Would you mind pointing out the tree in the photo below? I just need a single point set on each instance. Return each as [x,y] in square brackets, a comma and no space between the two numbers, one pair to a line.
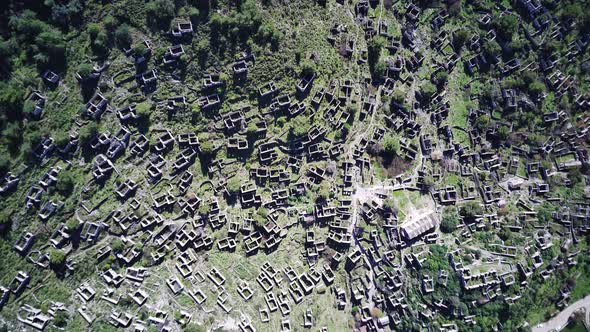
[65,183]
[374,52]
[391,145]
[459,39]
[11,101]
[571,11]
[492,49]
[268,33]
[427,90]
[123,36]
[252,128]
[536,88]
[192,327]
[233,185]
[308,67]
[503,132]
[506,26]
[84,70]
[100,45]
[61,139]
[399,96]
[140,50]
[5,220]
[117,245]
[110,23]
[143,111]
[204,209]
[194,13]
[482,122]
[449,222]
[4,165]
[72,224]
[427,182]
[471,210]
[376,312]
[52,46]
[87,133]
[206,147]
[60,319]
[375,149]
[441,77]
[160,13]
[57,257]
[505,234]
[389,205]
[93,30]
[324,191]
[12,134]
[380,68]
[299,126]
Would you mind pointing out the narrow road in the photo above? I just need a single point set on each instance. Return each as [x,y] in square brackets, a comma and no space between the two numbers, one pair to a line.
[560,321]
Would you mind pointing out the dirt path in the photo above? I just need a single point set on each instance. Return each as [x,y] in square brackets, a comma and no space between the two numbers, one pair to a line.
[560,321]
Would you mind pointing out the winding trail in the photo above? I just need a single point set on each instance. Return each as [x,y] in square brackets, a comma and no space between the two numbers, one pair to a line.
[560,321]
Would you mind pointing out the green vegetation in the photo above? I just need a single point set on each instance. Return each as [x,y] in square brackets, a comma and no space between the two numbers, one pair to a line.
[57,257]
[469,109]
[449,221]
